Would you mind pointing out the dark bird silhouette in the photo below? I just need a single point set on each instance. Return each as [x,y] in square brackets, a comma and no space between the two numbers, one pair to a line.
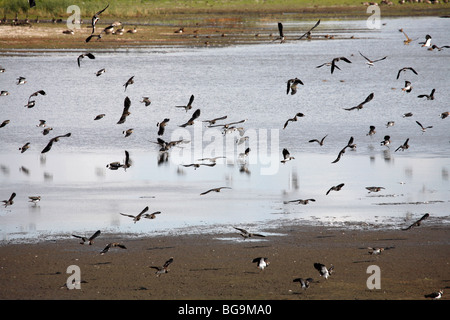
[10,201]
[25,147]
[112,245]
[34,94]
[428,96]
[422,127]
[34,199]
[303,282]
[116,164]
[307,34]
[361,105]
[100,72]
[261,262]
[213,121]
[374,189]
[444,114]
[189,105]
[281,33]
[99,116]
[407,88]
[295,118]
[404,70]
[369,61]
[286,156]
[197,165]
[32,3]
[214,190]
[96,17]
[427,42]
[21,80]
[371,131]
[125,112]
[129,82]
[137,217]
[418,222]
[190,122]
[92,36]
[52,140]
[81,57]
[386,141]
[128,132]
[433,47]
[335,188]
[245,234]
[333,62]
[341,153]
[404,146]
[162,269]
[292,85]
[435,295]
[4,123]
[162,126]
[89,240]
[146,101]
[324,271]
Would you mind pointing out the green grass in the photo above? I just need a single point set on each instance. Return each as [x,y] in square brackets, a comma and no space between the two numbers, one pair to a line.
[149,8]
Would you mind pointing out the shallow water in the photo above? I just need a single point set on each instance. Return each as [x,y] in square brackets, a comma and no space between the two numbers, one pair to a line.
[79,194]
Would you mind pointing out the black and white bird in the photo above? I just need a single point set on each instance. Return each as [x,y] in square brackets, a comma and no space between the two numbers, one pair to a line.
[404,70]
[213,121]
[162,126]
[197,165]
[34,199]
[281,33]
[422,127]
[307,34]
[96,17]
[407,88]
[404,146]
[89,240]
[189,104]
[386,141]
[128,132]
[320,142]
[435,295]
[82,56]
[361,105]
[350,144]
[292,85]
[100,72]
[427,42]
[164,268]
[49,145]
[294,119]
[246,234]
[138,217]
[300,201]
[25,147]
[190,122]
[214,190]
[21,80]
[146,101]
[261,262]
[428,96]
[10,201]
[418,222]
[126,110]
[304,283]
[333,62]
[116,164]
[374,189]
[323,270]
[112,245]
[372,131]
[130,81]
[335,188]
[433,47]
[286,156]
[369,61]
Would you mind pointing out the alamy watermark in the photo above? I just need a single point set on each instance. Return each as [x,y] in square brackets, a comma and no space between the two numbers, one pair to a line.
[374,21]
[374,280]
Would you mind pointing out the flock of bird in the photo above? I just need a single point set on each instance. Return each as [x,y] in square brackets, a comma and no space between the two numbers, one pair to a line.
[291,88]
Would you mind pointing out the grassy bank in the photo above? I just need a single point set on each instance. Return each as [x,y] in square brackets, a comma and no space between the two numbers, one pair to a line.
[47,9]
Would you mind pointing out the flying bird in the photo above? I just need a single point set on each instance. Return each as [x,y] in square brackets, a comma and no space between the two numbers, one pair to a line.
[189,105]
[34,199]
[295,118]
[286,156]
[404,146]
[444,115]
[112,245]
[10,201]
[245,234]
[407,88]
[436,47]
[320,142]
[34,94]
[129,82]
[333,62]
[371,131]
[300,201]
[261,262]
[374,189]
[146,101]
[335,188]
[96,17]
[307,34]
[4,123]
[25,147]
[162,126]
[164,268]
[323,270]
[81,57]
[125,112]
[350,144]
[422,127]
[89,240]
[52,140]
[99,116]
[408,39]
[369,61]
[213,121]
[404,70]
[137,217]
[21,80]
[361,105]
[128,132]
[386,141]
[303,282]
[281,34]
[429,97]
[418,222]
[100,72]
[292,85]
[214,190]
[190,122]
[427,42]
[116,164]
[197,165]
[377,250]
[435,295]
